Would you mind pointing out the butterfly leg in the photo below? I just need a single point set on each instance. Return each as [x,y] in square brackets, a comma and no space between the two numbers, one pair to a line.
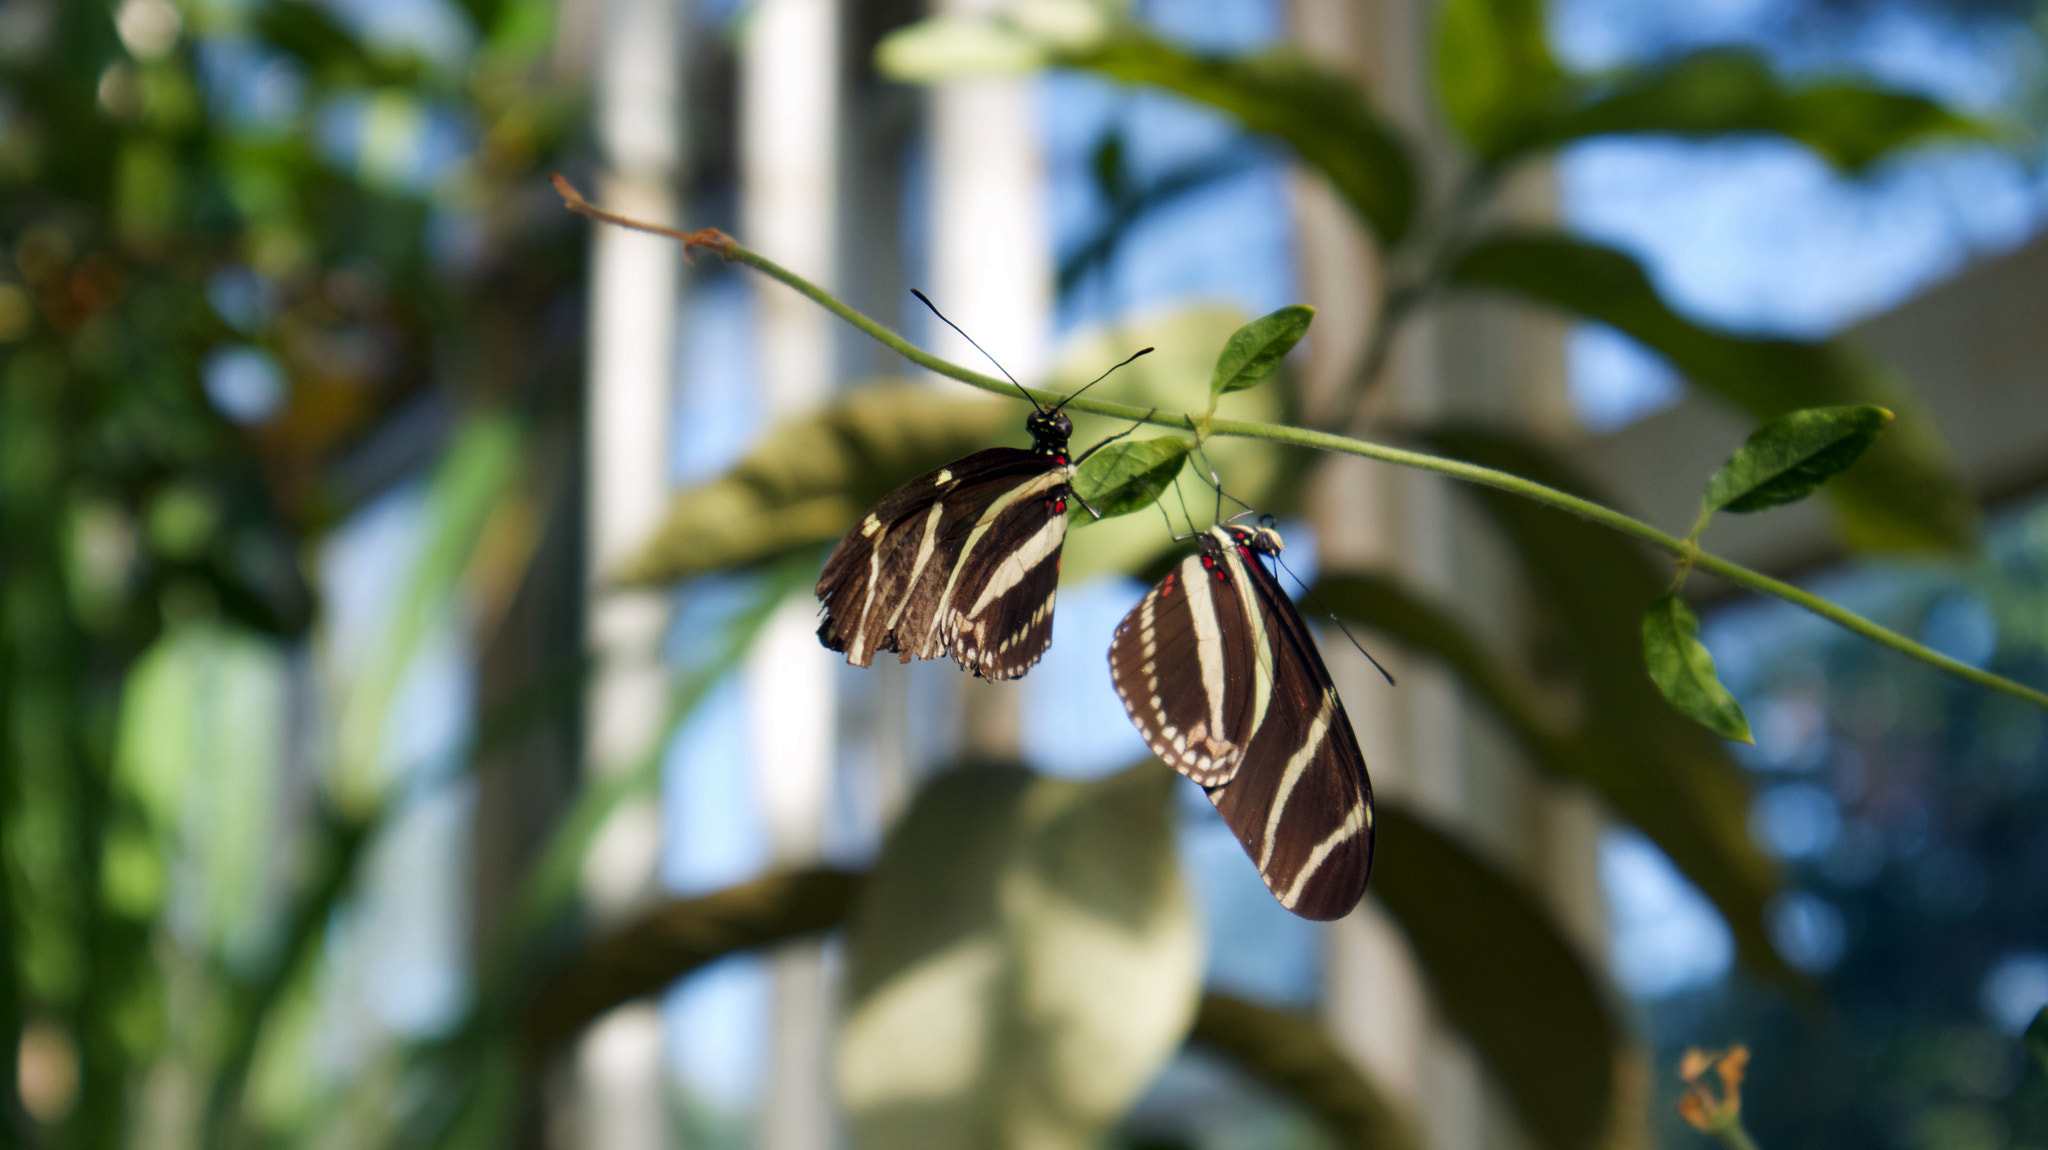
[1113,439]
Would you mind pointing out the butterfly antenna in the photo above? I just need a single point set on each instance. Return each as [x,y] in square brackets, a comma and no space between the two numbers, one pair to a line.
[1097,379]
[926,301]
[1321,606]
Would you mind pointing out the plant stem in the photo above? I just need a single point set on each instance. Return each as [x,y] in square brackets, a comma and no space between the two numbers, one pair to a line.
[1206,426]
[1735,1136]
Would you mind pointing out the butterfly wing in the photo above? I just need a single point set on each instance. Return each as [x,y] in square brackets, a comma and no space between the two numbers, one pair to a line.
[1183,663]
[963,561]
[1300,802]
[1223,679]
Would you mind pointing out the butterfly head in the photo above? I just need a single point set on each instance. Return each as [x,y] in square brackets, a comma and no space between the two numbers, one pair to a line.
[1050,431]
[1266,539]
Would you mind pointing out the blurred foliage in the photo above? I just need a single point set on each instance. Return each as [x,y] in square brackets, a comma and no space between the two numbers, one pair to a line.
[268,272]
[1020,964]
[1912,815]
[234,334]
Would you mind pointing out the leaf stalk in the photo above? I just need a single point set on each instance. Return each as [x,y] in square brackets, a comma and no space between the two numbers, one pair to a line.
[1207,426]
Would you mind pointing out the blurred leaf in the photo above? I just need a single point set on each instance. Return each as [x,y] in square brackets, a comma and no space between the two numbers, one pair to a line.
[813,474]
[2036,1039]
[1296,1057]
[1386,606]
[1683,669]
[478,469]
[1020,964]
[1255,350]
[1903,494]
[1130,476]
[330,52]
[201,729]
[678,937]
[1657,769]
[1129,204]
[1724,90]
[1505,976]
[1112,171]
[947,47]
[548,891]
[1788,458]
[1500,85]
[1325,117]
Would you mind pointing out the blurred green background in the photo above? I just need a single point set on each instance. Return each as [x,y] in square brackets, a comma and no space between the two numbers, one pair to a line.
[314,829]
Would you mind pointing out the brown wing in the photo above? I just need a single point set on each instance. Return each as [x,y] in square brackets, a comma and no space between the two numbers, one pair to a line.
[1176,660]
[1300,802]
[961,561]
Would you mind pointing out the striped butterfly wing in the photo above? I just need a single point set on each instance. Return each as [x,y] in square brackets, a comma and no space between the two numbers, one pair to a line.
[1218,638]
[1173,659]
[963,561]
[1301,802]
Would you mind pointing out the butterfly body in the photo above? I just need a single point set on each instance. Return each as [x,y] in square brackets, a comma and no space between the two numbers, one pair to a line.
[1219,673]
[962,561]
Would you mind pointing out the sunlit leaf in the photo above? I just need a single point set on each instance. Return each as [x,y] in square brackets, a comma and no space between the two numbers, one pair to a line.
[945,47]
[814,473]
[1505,976]
[1726,90]
[1325,117]
[1131,475]
[1683,669]
[1500,85]
[201,730]
[1020,964]
[1904,493]
[1295,1056]
[1788,458]
[1255,350]
[1657,769]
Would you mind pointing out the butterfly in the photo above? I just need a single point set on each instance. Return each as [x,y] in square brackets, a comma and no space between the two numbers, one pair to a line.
[1222,678]
[964,560]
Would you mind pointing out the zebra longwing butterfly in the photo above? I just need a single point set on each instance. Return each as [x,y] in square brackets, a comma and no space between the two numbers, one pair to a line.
[1221,676]
[962,561]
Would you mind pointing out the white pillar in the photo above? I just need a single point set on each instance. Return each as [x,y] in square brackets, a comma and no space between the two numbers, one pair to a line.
[633,302]
[789,108]
[992,273]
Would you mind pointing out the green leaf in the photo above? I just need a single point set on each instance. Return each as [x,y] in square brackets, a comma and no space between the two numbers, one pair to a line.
[1325,117]
[1903,494]
[1788,458]
[1683,669]
[946,47]
[1020,963]
[1129,476]
[812,475]
[2036,1039]
[1726,90]
[1499,83]
[1297,1058]
[1663,773]
[1505,976]
[1256,349]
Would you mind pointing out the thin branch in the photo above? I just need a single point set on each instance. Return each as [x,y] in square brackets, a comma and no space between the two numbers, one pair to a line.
[1207,426]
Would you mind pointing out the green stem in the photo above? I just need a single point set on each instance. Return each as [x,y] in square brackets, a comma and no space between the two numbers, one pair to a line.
[1207,427]
[1734,1136]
